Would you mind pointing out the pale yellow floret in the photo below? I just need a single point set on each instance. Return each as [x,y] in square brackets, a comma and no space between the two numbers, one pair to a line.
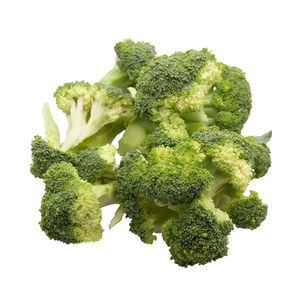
[193,97]
[176,129]
[86,216]
[227,160]
[108,153]
[72,94]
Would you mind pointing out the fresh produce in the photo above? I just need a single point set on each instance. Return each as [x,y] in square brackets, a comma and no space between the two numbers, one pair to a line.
[185,166]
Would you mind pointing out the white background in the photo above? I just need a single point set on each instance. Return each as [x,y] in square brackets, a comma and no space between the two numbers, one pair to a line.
[47,43]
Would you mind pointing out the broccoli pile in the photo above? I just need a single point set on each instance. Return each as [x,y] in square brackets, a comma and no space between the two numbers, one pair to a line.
[185,167]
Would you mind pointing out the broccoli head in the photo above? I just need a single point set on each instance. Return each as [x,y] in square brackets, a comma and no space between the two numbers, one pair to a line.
[94,163]
[228,158]
[153,189]
[261,153]
[44,155]
[70,208]
[130,60]
[146,217]
[199,235]
[245,212]
[197,87]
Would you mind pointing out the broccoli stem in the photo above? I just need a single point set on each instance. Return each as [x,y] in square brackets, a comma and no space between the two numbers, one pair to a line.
[79,129]
[134,136]
[95,123]
[104,136]
[195,120]
[51,129]
[105,194]
[77,121]
[117,78]
[222,201]
[218,185]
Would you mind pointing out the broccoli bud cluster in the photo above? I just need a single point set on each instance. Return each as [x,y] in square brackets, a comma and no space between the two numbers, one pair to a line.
[185,166]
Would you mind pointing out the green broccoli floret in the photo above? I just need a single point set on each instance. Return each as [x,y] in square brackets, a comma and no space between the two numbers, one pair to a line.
[199,235]
[197,87]
[131,58]
[91,163]
[44,155]
[89,108]
[146,217]
[153,190]
[71,206]
[176,176]
[170,132]
[97,162]
[245,212]
[261,153]
[229,159]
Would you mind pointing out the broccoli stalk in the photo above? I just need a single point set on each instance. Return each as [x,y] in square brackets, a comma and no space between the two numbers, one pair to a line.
[134,136]
[51,128]
[116,77]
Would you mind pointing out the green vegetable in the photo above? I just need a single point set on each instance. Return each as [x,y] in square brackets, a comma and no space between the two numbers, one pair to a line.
[193,84]
[184,168]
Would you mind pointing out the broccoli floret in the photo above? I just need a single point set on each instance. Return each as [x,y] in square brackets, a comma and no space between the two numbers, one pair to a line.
[95,163]
[154,189]
[44,155]
[229,158]
[261,153]
[89,108]
[245,212]
[199,235]
[176,176]
[131,58]
[146,216]
[197,87]
[71,206]
[170,132]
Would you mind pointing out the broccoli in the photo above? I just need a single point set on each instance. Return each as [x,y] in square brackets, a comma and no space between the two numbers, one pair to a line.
[97,162]
[92,163]
[146,217]
[130,60]
[193,84]
[134,136]
[144,135]
[89,108]
[159,186]
[199,235]
[70,208]
[170,132]
[103,137]
[185,167]
[231,158]
[245,212]
[260,153]
[44,155]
